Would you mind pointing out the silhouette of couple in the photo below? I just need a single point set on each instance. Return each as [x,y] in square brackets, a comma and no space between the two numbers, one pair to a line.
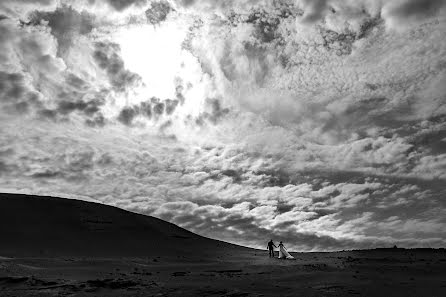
[283,253]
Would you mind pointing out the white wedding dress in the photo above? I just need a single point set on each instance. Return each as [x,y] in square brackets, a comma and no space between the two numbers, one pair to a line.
[283,254]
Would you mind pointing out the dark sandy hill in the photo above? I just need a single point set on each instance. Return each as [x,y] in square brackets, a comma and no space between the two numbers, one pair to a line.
[48,226]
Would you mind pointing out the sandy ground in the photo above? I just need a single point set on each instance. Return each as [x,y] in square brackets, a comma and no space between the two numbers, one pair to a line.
[361,273]
[60,247]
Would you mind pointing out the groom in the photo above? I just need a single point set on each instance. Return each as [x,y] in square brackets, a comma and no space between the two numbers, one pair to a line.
[271,247]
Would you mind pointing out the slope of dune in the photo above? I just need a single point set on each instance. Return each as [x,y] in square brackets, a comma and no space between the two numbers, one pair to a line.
[39,226]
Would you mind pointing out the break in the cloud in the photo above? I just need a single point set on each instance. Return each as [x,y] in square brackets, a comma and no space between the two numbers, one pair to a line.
[319,123]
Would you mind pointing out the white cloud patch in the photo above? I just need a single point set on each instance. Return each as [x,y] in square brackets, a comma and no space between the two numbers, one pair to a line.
[319,123]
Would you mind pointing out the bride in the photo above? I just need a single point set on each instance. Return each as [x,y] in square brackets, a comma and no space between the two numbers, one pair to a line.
[283,254]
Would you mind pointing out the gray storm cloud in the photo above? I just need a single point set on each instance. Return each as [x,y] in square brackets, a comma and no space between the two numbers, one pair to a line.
[415,8]
[319,123]
[316,10]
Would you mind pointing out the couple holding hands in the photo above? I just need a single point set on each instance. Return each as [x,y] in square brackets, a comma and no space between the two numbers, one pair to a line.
[283,253]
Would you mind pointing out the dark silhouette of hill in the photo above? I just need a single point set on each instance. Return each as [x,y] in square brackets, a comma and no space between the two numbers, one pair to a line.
[48,226]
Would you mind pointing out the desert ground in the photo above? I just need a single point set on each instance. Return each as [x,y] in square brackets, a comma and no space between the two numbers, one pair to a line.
[61,247]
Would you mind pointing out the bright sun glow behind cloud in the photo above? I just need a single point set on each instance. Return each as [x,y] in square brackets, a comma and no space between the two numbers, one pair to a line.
[156,54]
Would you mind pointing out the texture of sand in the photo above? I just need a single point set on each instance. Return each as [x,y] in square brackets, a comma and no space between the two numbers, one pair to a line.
[59,247]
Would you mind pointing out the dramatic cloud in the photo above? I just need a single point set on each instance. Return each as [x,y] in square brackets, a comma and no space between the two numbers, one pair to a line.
[158,12]
[414,9]
[65,23]
[20,9]
[107,57]
[319,123]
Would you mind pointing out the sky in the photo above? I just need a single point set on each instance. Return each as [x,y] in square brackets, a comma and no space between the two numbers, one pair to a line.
[319,123]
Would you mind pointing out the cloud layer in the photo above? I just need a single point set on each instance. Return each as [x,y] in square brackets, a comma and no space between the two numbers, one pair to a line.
[319,123]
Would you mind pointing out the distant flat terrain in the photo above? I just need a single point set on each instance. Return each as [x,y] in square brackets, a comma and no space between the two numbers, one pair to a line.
[60,247]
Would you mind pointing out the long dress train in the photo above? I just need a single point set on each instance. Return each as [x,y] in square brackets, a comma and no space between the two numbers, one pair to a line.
[283,254]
